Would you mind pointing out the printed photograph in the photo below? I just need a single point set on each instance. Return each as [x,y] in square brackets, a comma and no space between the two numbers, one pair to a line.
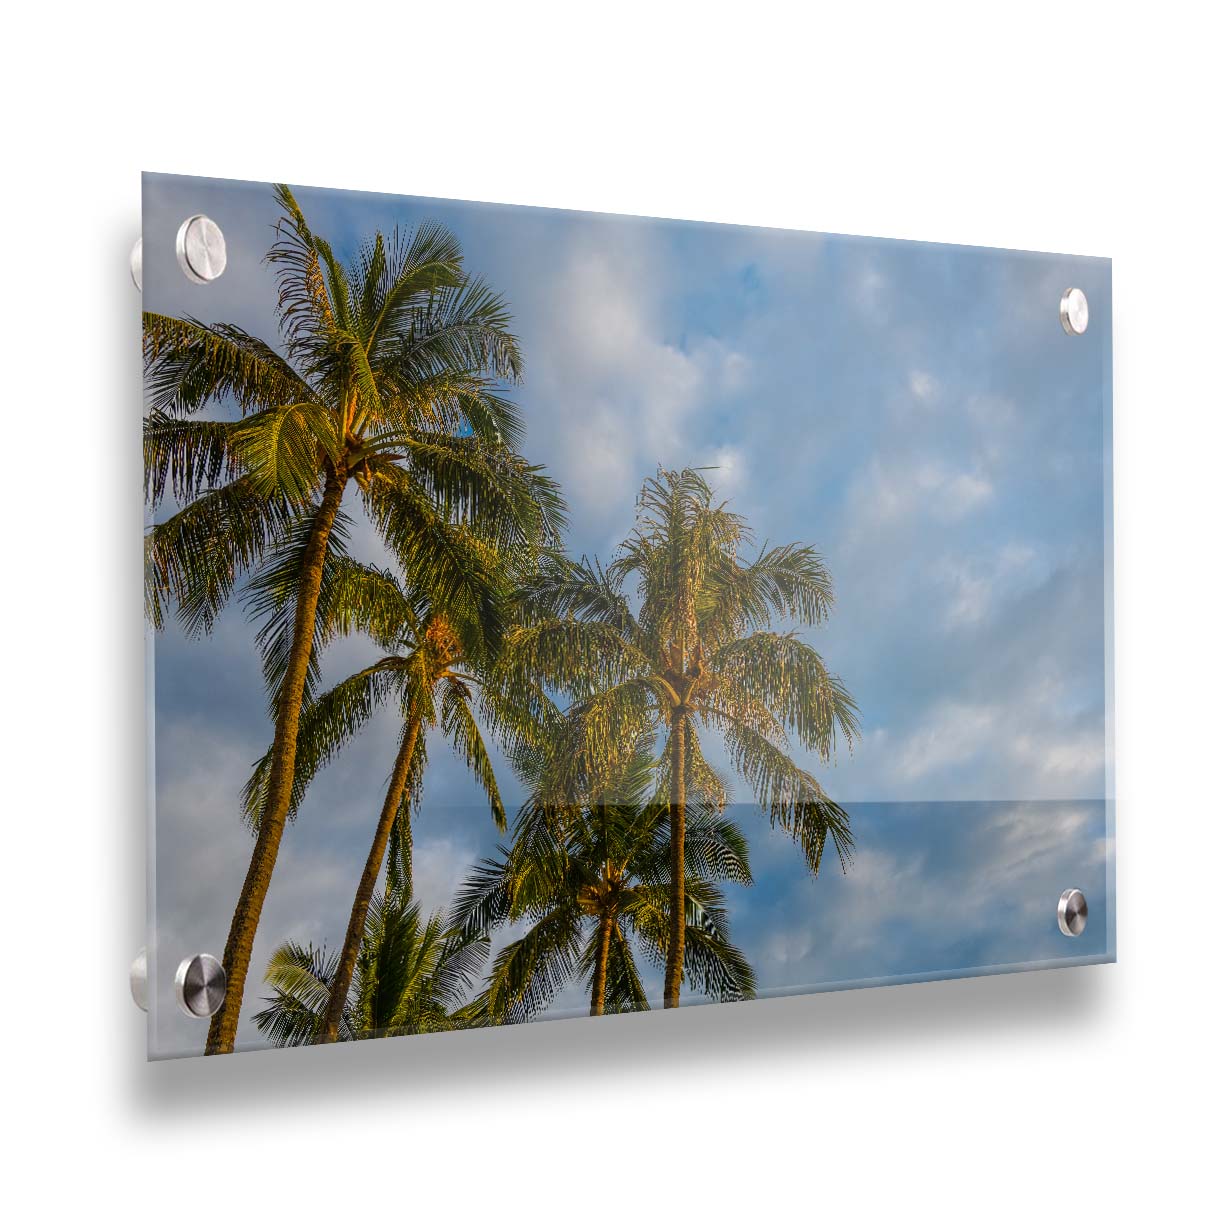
[554,614]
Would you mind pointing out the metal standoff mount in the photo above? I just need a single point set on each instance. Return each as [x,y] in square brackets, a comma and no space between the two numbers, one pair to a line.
[138,980]
[199,985]
[200,247]
[1073,311]
[1072,912]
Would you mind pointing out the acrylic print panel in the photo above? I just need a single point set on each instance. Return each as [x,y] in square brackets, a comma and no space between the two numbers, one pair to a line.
[498,554]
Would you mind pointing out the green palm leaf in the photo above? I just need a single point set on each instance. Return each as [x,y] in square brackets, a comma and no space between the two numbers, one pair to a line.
[197,556]
[189,364]
[186,457]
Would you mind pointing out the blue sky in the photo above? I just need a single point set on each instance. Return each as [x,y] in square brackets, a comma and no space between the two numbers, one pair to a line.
[914,411]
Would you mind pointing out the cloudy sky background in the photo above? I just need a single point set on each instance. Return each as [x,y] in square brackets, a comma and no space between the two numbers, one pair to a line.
[915,411]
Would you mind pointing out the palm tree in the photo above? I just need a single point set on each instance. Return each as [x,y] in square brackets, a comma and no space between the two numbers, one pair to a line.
[592,882]
[412,976]
[429,669]
[700,652]
[388,380]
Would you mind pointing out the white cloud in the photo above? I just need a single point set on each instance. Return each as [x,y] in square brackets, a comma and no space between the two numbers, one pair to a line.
[1068,755]
[731,471]
[892,491]
[611,395]
[923,386]
[952,733]
[1014,740]
[872,293]
[976,586]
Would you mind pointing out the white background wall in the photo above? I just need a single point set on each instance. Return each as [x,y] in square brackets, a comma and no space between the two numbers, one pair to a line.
[1081,1094]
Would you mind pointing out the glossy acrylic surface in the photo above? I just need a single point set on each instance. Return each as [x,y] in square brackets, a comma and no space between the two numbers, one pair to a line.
[914,416]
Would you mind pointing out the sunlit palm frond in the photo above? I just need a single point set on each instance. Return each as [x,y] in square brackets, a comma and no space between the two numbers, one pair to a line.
[714,847]
[187,456]
[359,598]
[271,599]
[281,449]
[483,899]
[792,798]
[789,581]
[562,589]
[581,658]
[326,725]
[440,559]
[306,313]
[399,276]
[463,325]
[714,966]
[196,557]
[188,364]
[529,972]
[624,991]
[489,489]
[790,679]
[460,727]
[413,976]
[300,977]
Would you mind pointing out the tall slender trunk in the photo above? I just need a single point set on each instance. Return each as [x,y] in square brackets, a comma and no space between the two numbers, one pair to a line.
[599,987]
[365,889]
[675,945]
[237,956]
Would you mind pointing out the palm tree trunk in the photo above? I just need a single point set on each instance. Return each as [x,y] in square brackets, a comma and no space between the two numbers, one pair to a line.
[675,945]
[365,889]
[599,987]
[237,956]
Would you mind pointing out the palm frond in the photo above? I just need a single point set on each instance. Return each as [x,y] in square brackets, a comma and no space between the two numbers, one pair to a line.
[787,581]
[483,899]
[197,556]
[359,598]
[792,798]
[306,315]
[441,562]
[186,456]
[562,589]
[529,972]
[714,847]
[714,966]
[580,658]
[326,726]
[462,326]
[624,991]
[460,727]
[283,449]
[188,364]
[490,489]
[301,978]
[271,601]
[784,673]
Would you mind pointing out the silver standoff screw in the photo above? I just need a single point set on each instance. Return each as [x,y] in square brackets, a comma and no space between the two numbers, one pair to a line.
[1072,912]
[136,263]
[1073,312]
[200,247]
[138,980]
[199,985]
